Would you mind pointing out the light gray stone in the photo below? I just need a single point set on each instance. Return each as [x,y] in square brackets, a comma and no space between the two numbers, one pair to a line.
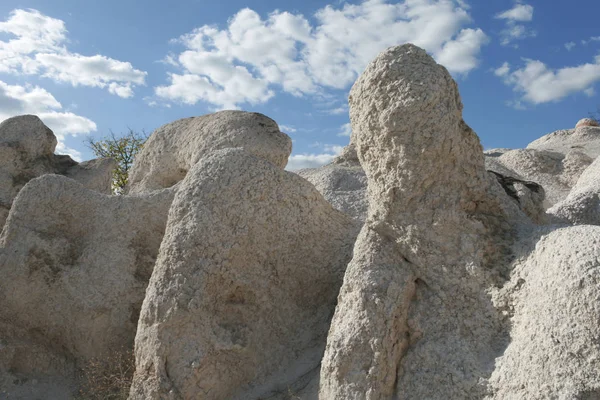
[244,286]
[75,264]
[173,149]
[27,151]
[414,319]
[582,206]
[554,303]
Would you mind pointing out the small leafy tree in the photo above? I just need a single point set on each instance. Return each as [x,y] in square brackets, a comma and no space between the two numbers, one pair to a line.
[123,150]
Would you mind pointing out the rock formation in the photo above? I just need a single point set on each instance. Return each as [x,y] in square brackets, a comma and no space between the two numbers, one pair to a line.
[27,151]
[343,183]
[174,148]
[553,300]
[75,265]
[586,122]
[413,319]
[444,273]
[582,206]
[240,300]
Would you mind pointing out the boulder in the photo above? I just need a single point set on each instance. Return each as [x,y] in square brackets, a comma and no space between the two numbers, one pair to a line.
[27,151]
[75,264]
[587,122]
[554,302]
[414,319]
[174,148]
[239,304]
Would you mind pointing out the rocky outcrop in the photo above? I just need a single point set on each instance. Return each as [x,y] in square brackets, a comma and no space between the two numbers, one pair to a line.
[27,151]
[174,148]
[245,284]
[343,183]
[553,300]
[75,265]
[582,206]
[413,319]
[587,122]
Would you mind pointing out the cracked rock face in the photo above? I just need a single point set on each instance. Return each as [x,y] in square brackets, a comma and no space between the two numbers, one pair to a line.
[175,148]
[27,151]
[413,320]
[245,284]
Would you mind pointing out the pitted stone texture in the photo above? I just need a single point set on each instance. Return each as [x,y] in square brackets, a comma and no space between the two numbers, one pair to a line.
[27,151]
[174,148]
[75,264]
[586,122]
[413,319]
[245,284]
[582,206]
[554,295]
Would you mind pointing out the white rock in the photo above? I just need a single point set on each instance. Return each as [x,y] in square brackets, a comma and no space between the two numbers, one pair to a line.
[27,151]
[245,284]
[414,320]
[553,352]
[174,148]
[586,122]
[343,183]
[582,206]
[75,264]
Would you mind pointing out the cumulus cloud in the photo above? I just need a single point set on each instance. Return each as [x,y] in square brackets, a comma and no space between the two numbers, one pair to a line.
[17,100]
[253,56]
[537,83]
[37,46]
[519,13]
[514,18]
[345,130]
[301,161]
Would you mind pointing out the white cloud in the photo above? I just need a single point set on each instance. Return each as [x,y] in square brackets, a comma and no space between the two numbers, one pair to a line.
[18,100]
[520,13]
[514,29]
[345,130]
[37,46]
[503,70]
[537,83]
[569,46]
[300,161]
[252,56]
[287,128]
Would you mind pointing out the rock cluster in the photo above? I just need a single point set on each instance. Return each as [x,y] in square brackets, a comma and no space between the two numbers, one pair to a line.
[27,151]
[415,266]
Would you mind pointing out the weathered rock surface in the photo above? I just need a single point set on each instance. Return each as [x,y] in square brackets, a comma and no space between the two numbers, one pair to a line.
[27,151]
[554,297]
[582,206]
[555,171]
[174,148]
[245,284]
[587,122]
[343,183]
[413,319]
[75,264]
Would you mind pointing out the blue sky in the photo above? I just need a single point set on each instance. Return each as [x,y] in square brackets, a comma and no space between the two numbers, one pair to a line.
[524,68]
